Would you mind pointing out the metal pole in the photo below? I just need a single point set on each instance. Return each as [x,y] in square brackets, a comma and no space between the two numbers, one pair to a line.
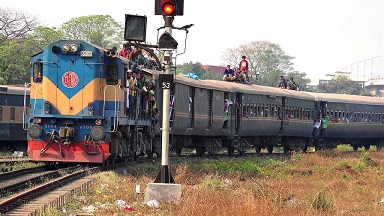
[164,176]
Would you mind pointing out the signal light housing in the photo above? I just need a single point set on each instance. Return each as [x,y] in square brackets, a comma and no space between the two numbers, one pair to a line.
[169,7]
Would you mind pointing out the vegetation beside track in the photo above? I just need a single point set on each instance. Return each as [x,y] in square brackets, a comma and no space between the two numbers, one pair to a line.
[322,183]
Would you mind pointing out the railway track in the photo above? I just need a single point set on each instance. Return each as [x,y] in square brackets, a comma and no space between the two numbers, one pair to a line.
[53,193]
[10,159]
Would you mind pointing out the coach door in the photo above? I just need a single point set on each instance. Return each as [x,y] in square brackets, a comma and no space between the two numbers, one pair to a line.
[284,119]
[238,113]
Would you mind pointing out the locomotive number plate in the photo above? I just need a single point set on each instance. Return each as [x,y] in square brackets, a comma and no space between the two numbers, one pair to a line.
[86,53]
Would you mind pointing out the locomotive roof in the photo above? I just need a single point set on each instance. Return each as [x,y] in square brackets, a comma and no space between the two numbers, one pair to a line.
[345,98]
[16,90]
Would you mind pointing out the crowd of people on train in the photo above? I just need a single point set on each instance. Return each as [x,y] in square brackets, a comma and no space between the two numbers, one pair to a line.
[140,90]
[138,57]
[240,75]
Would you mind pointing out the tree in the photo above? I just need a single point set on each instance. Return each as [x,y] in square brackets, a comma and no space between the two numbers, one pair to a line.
[210,74]
[101,30]
[41,37]
[198,69]
[15,24]
[341,85]
[16,60]
[191,67]
[263,57]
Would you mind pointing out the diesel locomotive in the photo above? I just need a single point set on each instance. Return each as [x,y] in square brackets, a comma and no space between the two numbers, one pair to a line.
[79,95]
[79,100]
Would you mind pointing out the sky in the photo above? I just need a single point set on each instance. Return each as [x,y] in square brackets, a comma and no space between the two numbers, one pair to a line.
[323,36]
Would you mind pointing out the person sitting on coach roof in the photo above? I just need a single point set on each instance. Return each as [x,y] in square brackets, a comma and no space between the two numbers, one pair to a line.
[292,84]
[229,75]
[283,83]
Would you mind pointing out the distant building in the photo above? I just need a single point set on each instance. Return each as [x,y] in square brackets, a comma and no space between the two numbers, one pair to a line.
[328,77]
[215,69]
[375,85]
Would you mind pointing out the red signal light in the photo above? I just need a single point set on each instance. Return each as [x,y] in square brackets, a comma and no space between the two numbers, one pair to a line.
[168,7]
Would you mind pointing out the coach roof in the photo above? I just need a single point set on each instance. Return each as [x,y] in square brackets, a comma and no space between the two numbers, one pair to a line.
[345,98]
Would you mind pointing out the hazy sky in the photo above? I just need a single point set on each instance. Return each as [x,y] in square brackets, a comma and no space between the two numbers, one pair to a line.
[324,36]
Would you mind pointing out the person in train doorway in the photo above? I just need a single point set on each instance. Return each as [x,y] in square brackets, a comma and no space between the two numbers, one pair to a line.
[131,93]
[227,103]
[229,75]
[316,126]
[283,83]
[243,67]
[324,125]
[292,84]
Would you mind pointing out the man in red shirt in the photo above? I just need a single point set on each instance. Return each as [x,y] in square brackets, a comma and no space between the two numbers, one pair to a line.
[243,65]
[124,52]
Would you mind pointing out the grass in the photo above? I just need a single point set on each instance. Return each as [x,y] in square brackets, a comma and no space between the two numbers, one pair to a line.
[335,183]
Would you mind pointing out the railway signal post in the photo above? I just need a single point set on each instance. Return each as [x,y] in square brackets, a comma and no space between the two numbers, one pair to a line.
[164,188]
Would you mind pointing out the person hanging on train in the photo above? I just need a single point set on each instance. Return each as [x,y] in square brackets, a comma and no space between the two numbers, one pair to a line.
[132,57]
[124,52]
[132,92]
[229,74]
[316,126]
[139,58]
[324,125]
[227,103]
[283,83]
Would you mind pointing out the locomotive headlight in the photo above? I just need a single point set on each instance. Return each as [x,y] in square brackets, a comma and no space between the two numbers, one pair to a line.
[66,48]
[74,48]
[99,122]
[98,133]
[35,131]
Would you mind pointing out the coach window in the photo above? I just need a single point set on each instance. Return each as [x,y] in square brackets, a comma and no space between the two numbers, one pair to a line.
[1,113]
[300,113]
[38,71]
[112,73]
[12,115]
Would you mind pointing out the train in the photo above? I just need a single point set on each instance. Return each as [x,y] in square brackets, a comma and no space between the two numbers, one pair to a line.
[79,96]
[13,109]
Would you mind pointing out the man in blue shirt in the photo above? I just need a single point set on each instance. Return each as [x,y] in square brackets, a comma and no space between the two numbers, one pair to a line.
[229,75]
[283,83]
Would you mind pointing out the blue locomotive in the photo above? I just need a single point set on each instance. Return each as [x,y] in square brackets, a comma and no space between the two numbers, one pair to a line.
[80,108]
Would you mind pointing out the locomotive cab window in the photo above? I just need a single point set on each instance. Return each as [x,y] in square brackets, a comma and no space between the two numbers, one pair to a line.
[38,72]
[112,74]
